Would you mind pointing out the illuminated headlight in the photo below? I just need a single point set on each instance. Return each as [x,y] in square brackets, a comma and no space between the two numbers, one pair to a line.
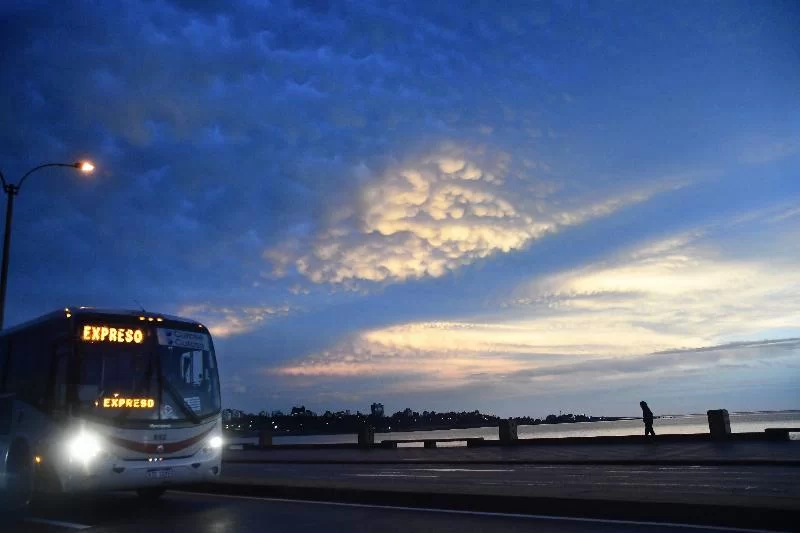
[83,447]
[215,442]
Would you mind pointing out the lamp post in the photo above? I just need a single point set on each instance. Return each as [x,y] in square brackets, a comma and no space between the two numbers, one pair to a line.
[11,191]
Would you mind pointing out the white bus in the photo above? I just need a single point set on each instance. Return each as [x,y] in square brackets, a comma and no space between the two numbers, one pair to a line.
[96,399]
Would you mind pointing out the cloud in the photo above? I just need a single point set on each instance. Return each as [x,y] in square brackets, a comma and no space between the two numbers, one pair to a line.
[436,213]
[745,354]
[228,321]
[358,145]
[416,365]
[672,306]
[681,291]
[364,357]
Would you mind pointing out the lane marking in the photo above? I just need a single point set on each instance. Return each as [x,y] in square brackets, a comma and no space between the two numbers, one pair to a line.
[477,513]
[461,470]
[58,523]
[389,474]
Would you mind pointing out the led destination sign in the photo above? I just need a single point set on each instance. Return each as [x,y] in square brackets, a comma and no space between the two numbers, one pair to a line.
[93,333]
[129,403]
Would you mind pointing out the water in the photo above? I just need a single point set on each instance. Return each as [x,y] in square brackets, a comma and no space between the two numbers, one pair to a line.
[740,423]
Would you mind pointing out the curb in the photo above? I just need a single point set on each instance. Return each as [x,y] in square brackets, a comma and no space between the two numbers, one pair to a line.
[696,514]
[545,462]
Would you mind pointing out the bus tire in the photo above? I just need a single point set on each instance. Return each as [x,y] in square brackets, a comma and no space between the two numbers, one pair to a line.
[150,493]
[20,474]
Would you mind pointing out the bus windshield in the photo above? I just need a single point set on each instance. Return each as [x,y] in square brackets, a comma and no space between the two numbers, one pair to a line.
[171,375]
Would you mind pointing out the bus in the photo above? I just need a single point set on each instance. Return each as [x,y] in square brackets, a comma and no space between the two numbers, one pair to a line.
[95,400]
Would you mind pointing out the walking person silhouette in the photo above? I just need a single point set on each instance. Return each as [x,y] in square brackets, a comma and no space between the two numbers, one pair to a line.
[647,417]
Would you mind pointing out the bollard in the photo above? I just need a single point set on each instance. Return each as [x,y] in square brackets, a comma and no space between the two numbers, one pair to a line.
[366,437]
[719,424]
[264,438]
[508,431]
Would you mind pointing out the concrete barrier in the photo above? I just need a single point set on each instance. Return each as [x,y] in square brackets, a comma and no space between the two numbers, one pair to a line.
[264,438]
[719,424]
[507,431]
[366,437]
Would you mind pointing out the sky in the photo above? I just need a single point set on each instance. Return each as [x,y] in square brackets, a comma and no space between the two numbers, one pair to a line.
[516,207]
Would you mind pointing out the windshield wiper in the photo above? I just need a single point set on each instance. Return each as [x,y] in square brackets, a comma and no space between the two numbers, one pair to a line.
[178,397]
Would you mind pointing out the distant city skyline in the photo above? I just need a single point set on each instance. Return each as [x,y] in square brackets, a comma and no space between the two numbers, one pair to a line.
[453,206]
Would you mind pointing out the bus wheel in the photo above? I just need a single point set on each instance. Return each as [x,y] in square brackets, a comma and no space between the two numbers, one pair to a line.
[20,474]
[150,493]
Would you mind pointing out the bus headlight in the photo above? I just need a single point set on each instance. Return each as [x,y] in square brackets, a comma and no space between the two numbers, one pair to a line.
[212,445]
[83,447]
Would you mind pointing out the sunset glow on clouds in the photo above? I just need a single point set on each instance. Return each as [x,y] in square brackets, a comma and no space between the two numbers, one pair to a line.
[428,218]
[226,321]
[432,205]
[675,296]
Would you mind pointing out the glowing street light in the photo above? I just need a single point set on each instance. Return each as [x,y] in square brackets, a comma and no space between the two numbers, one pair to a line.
[11,191]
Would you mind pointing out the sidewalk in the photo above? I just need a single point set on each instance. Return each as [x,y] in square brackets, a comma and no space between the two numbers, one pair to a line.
[785,453]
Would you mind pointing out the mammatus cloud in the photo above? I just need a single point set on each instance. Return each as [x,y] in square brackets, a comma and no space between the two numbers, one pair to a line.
[227,321]
[433,215]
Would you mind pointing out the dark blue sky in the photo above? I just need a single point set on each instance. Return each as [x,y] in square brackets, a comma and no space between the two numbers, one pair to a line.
[509,206]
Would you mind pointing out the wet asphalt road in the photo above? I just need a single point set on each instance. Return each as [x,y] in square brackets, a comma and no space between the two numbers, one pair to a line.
[761,486]
[767,486]
[122,512]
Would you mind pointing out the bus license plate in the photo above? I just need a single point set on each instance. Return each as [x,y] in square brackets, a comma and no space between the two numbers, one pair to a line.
[158,474]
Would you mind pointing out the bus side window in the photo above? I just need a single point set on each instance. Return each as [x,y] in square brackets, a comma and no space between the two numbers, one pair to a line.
[29,368]
[18,380]
[59,384]
[5,364]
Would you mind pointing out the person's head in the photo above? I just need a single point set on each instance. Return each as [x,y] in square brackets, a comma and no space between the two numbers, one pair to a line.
[643,404]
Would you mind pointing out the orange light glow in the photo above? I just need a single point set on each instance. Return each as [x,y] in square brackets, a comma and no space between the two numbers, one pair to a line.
[93,333]
[128,403]
[86,166]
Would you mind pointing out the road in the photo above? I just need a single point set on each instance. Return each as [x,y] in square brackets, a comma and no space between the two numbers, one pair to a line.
[121,512]
[763,486]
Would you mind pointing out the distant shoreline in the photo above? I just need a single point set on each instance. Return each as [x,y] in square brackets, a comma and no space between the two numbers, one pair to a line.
[429,428]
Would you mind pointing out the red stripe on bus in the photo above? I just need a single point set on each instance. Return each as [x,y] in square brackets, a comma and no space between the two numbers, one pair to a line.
[150,447]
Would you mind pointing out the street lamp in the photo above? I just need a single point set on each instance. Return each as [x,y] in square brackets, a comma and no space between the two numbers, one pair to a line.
[11,191]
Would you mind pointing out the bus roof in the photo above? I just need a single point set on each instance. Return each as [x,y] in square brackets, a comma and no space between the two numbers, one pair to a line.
[94,311]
